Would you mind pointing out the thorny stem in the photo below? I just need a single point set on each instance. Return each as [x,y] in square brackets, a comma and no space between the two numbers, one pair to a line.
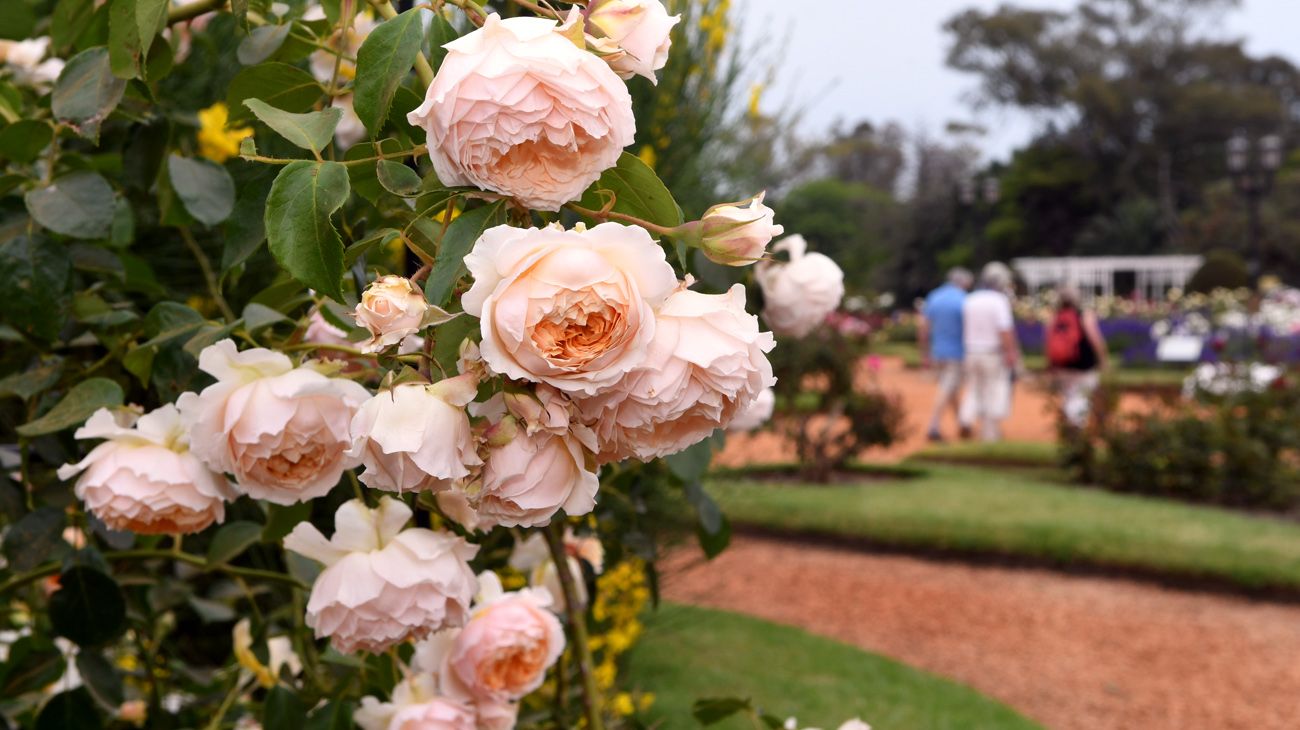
[190,11]
[530,5]
[205,265]
[299,346]
[417,150]
[601,215]
[591,701]
[46,571]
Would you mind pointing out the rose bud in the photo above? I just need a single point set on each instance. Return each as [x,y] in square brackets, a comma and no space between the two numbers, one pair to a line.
[144,478]
[392,309]
[383,585]
[737,234]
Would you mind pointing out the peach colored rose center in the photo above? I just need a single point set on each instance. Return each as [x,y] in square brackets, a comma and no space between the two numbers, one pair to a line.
[541,161]
[512,667]
[576,336]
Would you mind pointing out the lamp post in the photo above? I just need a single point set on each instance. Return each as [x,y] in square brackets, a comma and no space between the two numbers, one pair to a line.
[983,191]
[1252,164]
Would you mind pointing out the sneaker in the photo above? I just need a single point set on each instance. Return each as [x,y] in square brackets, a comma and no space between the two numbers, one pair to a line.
[935,437]
[966,433]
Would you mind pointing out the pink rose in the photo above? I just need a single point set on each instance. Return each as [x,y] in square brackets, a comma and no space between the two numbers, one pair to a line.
[638,31]
[383,585]
[416,436]
[706,364]
[321,332]
[282,431]
[573,309]
[417,704]
[508,644]
[518,109]
[737,234]
[144,478]
[392,308]
[535,474]
[799,294]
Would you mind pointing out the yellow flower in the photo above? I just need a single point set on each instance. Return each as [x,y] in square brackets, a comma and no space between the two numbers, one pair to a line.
[216,142]
[647,155]
[243,641]
[622,704]
[755,96]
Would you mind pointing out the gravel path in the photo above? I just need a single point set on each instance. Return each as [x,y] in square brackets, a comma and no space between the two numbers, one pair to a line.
[1071,652]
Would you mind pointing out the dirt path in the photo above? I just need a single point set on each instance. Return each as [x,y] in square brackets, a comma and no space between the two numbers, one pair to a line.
[1031,419]
[1071,652]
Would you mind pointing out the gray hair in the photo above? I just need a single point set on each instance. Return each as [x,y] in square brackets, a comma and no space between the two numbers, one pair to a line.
[1068,294]
[958,276]
[995,275]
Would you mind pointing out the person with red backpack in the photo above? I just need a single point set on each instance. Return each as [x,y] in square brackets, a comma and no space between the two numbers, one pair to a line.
[1076,354]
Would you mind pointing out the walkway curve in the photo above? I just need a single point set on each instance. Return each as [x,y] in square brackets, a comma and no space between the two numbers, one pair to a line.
[1075,653]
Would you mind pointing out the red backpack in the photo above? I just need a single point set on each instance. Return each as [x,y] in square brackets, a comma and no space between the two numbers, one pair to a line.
[1064,338]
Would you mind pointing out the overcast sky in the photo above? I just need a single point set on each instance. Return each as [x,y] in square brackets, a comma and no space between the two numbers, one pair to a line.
[883,60]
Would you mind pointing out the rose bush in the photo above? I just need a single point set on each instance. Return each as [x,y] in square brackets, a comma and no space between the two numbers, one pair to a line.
[273,272]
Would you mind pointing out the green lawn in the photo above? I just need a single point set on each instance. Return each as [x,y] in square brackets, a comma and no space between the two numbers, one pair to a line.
[1020,453]
[688,653]
[1018,513]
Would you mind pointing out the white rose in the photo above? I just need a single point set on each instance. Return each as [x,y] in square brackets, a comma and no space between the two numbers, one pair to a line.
[416,436]
[282,431]
[798,295]
[640,30]
[144,478]
[383,585]
[758,413]
[707,363]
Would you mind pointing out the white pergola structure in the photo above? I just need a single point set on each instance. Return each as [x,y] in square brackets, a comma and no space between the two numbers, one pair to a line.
[1148,277]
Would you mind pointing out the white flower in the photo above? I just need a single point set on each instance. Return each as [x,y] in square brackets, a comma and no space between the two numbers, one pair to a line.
[383,585]
[758,413]
[416,436]
[737,234]
[144,478]
[392,308]
[799,294]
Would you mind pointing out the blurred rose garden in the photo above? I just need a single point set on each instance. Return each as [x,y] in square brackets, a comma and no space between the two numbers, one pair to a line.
[595,364]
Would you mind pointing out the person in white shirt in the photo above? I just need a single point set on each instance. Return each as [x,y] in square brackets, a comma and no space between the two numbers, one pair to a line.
[991,349]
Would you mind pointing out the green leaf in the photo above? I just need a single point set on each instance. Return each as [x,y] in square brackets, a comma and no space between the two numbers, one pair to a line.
[638,191]
[336,715]
[440,34]
[397,178]
[80,205]
[101,677]
[71,18]
[310,131]
[231,540]
[34,663]
[385,58]
[280,85]
[33,381]
[281,519]
[283,710]
[262,43]
[19,19]
[24,140]
[245,229]
[257,317]
[82,400]
[34,276]
[713,530]
[456,242]
[87,92]
[88,608]
[712,710]
[363,177]
[33,539]
[71,709]
[204,187]
[298,227]
[690,464]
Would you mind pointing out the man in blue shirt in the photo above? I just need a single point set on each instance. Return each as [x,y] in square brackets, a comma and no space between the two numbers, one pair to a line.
[939,337]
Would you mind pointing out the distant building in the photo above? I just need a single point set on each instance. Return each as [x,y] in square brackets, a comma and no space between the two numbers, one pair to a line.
[1147,277]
